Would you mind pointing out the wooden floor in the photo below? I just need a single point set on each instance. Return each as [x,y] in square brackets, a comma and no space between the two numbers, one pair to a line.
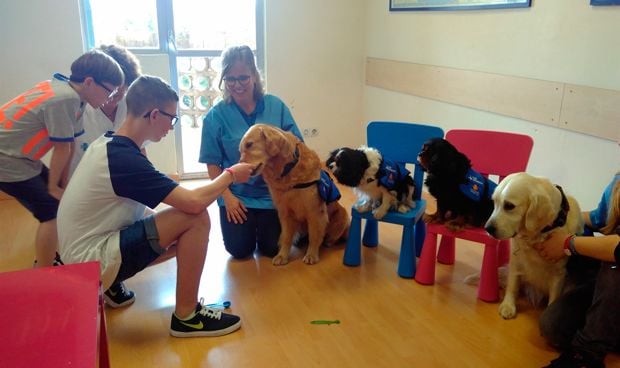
[386,321]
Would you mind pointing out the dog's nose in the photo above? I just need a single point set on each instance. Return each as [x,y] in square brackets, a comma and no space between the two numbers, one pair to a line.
[490,228]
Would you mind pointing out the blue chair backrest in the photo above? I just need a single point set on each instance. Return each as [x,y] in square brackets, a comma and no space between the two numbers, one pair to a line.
[402,142]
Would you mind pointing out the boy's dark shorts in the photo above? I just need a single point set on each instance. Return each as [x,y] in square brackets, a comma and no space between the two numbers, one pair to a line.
[139,245]
[34,195]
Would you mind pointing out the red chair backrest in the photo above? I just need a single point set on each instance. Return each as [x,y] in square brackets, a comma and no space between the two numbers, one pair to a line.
[493,153]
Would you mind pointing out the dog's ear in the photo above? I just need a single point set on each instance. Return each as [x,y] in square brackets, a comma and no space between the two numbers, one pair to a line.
[539,212]
[275,141]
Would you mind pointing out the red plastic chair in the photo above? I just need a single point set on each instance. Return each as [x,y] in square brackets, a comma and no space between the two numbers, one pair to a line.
[491,153]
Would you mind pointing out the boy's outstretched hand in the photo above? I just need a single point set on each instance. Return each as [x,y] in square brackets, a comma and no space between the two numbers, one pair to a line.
[242,172]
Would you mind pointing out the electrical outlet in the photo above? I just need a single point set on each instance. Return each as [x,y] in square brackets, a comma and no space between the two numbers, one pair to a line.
[310,132]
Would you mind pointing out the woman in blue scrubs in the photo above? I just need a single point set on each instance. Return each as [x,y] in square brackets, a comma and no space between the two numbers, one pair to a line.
[247,214]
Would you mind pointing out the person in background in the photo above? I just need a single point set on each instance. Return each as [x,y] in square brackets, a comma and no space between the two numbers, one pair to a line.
[49,117]
[98,121]
[247,214]
[585,321]
[102,214]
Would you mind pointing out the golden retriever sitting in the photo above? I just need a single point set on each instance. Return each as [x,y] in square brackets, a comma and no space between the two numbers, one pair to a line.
[292,171]
[527,209]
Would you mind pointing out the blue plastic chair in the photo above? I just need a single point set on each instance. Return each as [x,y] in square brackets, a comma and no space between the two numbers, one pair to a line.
[400,142]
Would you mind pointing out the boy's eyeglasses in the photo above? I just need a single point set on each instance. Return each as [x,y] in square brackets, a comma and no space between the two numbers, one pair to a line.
[242,79]
[111,92]
[173,118]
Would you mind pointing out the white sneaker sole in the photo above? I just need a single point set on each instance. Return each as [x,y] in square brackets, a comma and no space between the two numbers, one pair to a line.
[113,304]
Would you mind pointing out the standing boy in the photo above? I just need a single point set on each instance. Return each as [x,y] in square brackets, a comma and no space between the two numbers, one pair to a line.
[46,117]
[101,216]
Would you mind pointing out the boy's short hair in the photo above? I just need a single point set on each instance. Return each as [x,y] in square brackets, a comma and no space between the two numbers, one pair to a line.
[99,66]
[147,93]
[128,62]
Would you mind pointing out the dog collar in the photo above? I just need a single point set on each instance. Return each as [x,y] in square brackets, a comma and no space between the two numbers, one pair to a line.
[560,219]
[290,165]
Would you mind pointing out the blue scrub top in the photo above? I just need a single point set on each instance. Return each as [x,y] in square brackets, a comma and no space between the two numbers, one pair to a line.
[598,217]
[222,130]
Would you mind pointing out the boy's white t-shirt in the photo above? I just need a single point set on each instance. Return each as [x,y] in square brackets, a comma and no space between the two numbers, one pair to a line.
[96,124]
[109,191]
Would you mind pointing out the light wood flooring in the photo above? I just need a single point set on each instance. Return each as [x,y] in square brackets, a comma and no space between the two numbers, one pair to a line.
[386,321]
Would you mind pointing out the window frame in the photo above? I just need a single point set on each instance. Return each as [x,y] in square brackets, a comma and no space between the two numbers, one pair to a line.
[167,46]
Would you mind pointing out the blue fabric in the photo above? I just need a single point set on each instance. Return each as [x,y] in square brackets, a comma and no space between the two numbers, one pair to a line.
[327,188]
[261,229]
[222,130]
[474,187]
[391,172]
[140,246]
[34,195]
[598,217]
[132,174]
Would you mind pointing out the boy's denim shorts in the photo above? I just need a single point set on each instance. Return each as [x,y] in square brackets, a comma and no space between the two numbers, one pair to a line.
[33,194]
[139,247]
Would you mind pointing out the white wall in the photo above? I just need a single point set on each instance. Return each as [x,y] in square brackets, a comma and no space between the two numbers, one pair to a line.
[557,40]
[315,63]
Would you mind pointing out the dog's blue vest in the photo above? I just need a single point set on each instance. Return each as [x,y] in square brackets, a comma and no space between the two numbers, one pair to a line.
[474,189]
[327,189]
[391,172]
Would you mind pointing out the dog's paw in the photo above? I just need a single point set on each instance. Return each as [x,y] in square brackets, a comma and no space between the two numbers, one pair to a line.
[363,206]
[454,226]
[379,213]
[507,310]
[311,259]
[431,218]
[473,279]
[279,260]
[402,208]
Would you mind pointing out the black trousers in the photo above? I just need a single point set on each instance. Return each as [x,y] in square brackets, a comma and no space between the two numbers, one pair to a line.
[588,316]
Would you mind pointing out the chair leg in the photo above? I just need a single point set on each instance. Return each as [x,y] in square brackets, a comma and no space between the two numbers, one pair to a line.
[446,250]
[488,290]
[425,274]
[352,256]
[371,233]
[406,259]
[503,252]
[420,234]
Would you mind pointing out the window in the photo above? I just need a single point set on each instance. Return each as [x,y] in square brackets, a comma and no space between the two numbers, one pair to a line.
[198,32]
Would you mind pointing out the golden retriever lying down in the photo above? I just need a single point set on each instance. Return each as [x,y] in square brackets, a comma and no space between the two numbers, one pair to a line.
[527,209]
[286,162]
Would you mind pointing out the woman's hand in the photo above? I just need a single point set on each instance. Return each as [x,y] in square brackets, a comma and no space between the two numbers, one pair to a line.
[552,249]
[235,210]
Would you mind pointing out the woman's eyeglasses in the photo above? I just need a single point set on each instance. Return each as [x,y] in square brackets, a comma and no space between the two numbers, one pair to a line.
[242,79]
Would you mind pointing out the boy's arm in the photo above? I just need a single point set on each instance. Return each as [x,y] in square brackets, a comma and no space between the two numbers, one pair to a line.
[59,162]
[64,179]
[196,200]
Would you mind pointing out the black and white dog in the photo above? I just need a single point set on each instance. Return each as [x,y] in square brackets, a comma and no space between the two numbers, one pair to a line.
[379,184]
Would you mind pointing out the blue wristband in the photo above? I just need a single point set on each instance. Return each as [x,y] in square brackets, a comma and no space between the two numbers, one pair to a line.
[571,246]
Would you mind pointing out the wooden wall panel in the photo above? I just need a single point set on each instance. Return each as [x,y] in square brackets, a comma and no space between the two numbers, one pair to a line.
[577,108]
[593,111]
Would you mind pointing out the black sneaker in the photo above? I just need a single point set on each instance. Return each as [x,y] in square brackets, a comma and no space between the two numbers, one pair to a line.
[117,296]
[576,359]
[206,322]
[57,261]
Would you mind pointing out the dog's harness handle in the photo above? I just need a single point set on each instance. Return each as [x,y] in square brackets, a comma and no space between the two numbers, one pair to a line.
[560,219]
